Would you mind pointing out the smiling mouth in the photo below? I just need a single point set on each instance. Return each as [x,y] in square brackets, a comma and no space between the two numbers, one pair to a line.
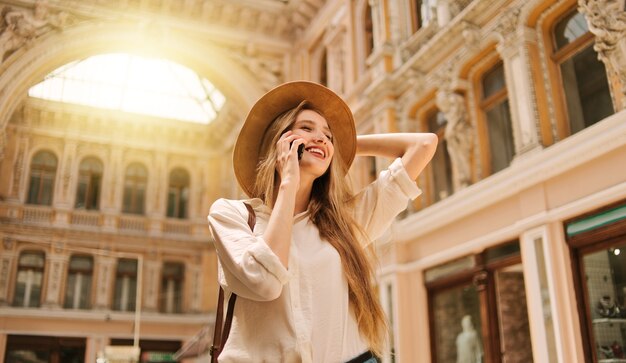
[317,152]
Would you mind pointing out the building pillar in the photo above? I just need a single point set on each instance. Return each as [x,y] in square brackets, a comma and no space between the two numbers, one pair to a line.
[513,50]
[112,187]
[151,285]
[336,45]
[196,285]
[8,259]
[19,179]
[381,59]
[105,274]
[64,180]
[57,267]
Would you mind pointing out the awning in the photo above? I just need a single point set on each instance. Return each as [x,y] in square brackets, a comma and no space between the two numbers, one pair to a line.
[198,345]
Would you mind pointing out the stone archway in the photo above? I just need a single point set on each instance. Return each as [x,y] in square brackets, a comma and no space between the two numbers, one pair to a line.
[29,65]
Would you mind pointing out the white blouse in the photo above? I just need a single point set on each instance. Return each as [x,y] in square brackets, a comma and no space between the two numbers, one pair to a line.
[301,314]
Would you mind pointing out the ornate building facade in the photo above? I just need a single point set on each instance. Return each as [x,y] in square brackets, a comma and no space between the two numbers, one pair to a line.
[511,254]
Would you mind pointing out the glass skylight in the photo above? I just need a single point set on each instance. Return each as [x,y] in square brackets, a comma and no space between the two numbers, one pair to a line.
[131,83]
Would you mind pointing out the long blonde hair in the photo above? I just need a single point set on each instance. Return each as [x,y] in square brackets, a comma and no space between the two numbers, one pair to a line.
[330,210]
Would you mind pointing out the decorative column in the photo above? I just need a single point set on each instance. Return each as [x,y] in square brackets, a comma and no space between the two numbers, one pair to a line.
[446,10]
[57,263]
[194,274]
[7,261]
[155,205]
[459,135]
[112,187]
[18,183]
[151,285]
[381,59]
[607,21]
[335,43]
[105,267]
[513,50]
[64,180]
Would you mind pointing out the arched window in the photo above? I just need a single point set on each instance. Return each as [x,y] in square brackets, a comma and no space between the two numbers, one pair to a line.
[135,184]
[29,279]
[43,170]
[171,295]
[178,194]
[440,165]
[369,30]
[89,184]
[494,105]
[586,95]
[78,288]
[125,285]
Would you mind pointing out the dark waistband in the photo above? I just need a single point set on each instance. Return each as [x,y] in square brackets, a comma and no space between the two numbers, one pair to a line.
[362,358]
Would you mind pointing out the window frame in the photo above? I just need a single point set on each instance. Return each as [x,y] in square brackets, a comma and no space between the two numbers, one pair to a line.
[42,170]
[27,290]
[90,188]
[83,272]
[483,276]
[119,278]
[483,105]
[179,211]
[134,207]
[178,305]
[555,59]
[581,244]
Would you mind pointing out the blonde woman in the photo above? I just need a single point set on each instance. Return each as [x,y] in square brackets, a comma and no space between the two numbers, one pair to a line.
[303,277]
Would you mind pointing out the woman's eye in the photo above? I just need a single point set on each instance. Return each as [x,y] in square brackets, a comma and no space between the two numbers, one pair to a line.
[306,128]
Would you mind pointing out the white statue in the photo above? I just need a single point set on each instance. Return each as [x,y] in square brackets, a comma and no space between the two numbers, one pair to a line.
[607,21]
[21,26]
[468,346]
[459,136]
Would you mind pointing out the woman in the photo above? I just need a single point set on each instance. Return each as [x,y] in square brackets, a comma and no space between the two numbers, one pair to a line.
[304,277]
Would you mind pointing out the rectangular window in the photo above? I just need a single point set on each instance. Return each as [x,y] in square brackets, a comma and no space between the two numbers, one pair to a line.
[605,272]
[586,89]
[172,288]
[125,285]
[456,325]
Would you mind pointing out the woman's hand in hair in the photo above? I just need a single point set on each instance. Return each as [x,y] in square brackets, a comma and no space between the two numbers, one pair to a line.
[415,149]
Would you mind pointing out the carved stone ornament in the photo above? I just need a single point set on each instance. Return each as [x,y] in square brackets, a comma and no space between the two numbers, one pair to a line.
[19,27]
[459,134]
[607,21]
[268,71]
[506,30]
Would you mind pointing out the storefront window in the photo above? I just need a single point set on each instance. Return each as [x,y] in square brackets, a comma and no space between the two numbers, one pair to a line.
[456,314]
[598,241]
[478,310]
[605,276]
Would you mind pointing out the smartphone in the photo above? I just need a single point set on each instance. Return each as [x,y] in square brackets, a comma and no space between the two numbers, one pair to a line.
[300,150]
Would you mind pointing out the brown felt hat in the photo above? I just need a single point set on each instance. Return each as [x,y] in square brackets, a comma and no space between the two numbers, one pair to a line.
[273,104]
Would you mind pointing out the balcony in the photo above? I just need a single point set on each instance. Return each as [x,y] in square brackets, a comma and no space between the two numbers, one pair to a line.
[104,222]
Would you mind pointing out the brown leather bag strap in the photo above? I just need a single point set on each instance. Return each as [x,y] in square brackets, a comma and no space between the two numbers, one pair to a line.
[219,335]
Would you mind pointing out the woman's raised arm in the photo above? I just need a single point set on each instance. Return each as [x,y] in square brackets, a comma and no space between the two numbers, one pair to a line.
[415,149]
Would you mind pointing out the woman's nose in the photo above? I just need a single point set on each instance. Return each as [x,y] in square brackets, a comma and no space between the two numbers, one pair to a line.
[319,137]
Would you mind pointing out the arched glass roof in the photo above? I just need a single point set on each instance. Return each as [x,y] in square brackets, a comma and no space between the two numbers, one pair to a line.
[132,83]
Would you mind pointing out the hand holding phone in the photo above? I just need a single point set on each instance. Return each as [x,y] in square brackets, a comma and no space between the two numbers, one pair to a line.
[300,150]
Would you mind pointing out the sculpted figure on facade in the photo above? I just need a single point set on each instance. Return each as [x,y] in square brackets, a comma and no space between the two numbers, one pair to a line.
[19,27]
[607,21]
[458,134]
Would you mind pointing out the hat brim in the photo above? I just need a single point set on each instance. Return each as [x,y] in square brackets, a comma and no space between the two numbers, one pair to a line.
[275,102]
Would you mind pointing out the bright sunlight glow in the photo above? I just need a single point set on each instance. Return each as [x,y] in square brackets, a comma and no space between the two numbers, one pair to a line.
[131,83]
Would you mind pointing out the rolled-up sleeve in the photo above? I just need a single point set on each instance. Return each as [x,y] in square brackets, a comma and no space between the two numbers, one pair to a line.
[249,267]
[379,203]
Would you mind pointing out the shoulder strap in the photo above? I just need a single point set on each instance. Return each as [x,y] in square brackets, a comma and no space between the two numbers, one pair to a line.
[219,336]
